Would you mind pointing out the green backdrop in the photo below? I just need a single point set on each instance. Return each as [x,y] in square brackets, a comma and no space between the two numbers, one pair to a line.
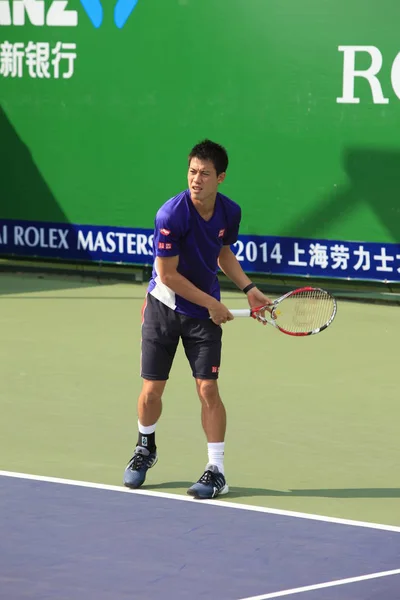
[108,145]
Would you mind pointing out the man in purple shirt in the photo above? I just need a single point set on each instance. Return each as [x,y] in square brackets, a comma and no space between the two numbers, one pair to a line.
[192,238]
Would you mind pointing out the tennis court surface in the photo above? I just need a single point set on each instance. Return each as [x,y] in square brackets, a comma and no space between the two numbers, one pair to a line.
[312,457]
[72,541]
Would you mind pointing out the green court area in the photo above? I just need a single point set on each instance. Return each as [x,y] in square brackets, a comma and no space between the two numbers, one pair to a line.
[312,422]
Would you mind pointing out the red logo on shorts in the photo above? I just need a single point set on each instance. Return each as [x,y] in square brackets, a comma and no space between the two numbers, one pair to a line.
[165,231]
[161,245]
[168,246]
[221,233]
[214,369]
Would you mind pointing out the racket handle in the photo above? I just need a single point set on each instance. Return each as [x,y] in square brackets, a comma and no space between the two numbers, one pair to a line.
[241,312]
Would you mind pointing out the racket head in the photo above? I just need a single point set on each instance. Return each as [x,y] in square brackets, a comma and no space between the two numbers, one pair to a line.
[304,311]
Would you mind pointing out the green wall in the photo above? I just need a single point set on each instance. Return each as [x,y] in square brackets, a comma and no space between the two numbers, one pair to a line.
[108,146]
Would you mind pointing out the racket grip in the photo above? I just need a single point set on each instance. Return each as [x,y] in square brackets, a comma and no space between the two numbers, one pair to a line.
[241,312]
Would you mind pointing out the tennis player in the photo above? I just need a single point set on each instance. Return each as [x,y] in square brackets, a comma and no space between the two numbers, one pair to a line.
[192,238]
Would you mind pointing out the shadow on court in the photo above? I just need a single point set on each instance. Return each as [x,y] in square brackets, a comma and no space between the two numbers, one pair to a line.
[242,492]
[17,284]
[21,285]
[129,298]
[237,492]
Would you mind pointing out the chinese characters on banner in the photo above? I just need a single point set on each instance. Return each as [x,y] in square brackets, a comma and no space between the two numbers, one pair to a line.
[351,260]
[340,256]
[256,254]
[39,60]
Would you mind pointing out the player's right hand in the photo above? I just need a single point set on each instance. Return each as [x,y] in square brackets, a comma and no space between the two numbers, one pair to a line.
[219,313]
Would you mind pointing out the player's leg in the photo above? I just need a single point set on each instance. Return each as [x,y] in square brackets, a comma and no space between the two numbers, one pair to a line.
[202,342]
[160,338]
[149,410]
[213,414]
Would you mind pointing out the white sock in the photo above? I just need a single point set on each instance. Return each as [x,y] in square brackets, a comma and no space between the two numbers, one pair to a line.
[146,430]
[216,455]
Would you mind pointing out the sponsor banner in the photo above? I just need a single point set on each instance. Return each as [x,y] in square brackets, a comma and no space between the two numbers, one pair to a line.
[319,258]
[76,242]
[372,74]
[40,60]
[256,254]
[44,60]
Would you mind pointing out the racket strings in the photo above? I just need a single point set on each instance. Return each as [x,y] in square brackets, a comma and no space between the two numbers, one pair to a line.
[306,311]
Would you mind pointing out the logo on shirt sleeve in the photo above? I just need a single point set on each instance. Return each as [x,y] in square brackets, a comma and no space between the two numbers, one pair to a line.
[165,231]
[164,246]
[221,233]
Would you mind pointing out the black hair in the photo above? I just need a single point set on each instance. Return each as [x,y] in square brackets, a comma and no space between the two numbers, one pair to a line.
[208,150]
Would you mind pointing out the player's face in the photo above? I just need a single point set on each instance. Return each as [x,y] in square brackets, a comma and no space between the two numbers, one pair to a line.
[203,180]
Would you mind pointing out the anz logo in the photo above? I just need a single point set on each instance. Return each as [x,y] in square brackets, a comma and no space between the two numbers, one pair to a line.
[57,14]
[122,11]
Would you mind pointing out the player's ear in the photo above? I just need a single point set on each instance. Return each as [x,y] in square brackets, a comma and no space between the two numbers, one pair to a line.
[221,177]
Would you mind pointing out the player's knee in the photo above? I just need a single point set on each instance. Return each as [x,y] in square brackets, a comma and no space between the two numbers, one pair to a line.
[150,398]
[151,393]
[207,390]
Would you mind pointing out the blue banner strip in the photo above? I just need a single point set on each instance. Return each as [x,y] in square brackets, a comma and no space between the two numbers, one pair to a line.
[257,254]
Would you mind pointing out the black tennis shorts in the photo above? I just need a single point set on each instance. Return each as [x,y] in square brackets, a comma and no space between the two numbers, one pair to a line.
[162,328]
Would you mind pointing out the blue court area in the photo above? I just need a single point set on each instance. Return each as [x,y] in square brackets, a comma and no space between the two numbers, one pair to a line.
[70,542]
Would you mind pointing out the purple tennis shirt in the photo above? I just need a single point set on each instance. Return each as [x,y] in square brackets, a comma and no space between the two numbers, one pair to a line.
[179,230]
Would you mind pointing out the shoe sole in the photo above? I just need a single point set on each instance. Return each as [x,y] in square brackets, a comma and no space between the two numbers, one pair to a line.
[195,494]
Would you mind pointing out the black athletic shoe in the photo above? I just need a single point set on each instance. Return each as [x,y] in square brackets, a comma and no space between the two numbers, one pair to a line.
[211,484]
[137,467]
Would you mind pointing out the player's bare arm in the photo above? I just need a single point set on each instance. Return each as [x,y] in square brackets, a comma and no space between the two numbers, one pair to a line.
[169,275]
[230,266]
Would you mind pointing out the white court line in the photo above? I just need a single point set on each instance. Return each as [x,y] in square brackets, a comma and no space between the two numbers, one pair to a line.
[320,586]
[224,504]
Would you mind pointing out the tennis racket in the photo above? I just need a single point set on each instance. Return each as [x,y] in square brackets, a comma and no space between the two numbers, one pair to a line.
[304,311]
